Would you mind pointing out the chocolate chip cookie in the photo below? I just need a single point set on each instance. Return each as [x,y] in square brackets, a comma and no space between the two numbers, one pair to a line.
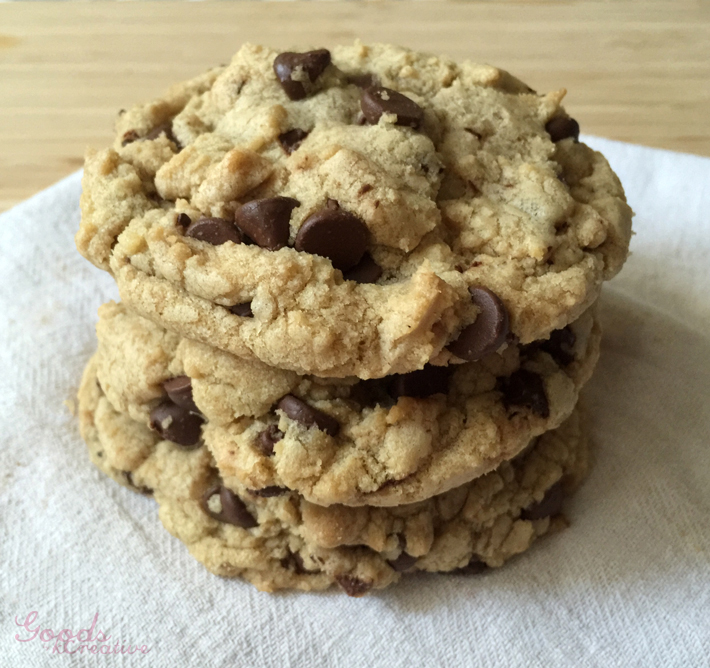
[354,212]
[380,442]
[275,539]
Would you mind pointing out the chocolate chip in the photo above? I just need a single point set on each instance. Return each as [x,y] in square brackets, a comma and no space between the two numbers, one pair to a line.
[164,128]
[378,100]
[154,197]
[294,562]
[183,220]
[365,271]
[266,221]
[365,80]
[311,63]
[474,567]
[403,562]
[215,231]
[336,234]
[267,438]
[488,332]
[243,310]
[370,393]
[268,492]
[308,416]
[562,127]
[551,504]
[560,346]
[291,140]
[129,137]
[525,388]
[233,509]
[473,132]
[353,586]
[423,383]
[179,389]
[176,424]
[138,488]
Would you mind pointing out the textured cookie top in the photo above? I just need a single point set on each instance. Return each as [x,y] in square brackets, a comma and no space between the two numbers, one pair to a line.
[328,212]
[377,442]
[276,539]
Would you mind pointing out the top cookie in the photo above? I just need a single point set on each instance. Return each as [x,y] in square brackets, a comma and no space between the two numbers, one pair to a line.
[330,212]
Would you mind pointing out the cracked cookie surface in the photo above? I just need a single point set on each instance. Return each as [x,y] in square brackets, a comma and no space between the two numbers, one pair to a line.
[485,187]
[344,441]
[279,540]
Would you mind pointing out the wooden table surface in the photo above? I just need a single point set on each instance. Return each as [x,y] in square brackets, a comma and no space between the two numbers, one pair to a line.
[635,71]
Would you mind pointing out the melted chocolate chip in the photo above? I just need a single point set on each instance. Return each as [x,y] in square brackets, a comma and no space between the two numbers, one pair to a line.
[294,562]
[243,310]
[215,231]
[336,234]
[175,423]
[365,80]
[353,586]
[423,383]
[474,567]
[233,509]
[308,416]
[365,271]
[560,346]
[291,140]
[129,137]
[164,128]
[403,562]
[154,197]
[370,393]
[267,438]
[562,127]
[266,221]
[378,100]
[179,389]
[551,504]
[268,492]
[138,488]
[488,332]
[525,388]
[288,64]
[183,220]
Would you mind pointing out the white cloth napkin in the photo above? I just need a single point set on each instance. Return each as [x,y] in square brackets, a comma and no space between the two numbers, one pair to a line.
[628,584]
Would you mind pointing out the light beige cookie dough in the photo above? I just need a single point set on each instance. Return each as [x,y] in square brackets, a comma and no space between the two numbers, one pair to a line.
[490,189]
[279,540]
[342,441]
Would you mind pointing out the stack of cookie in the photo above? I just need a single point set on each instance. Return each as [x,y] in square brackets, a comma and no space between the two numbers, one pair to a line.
[358,306]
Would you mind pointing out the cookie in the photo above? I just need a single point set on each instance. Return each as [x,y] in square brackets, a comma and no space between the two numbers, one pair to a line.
[338,213]
[278,540]
[380,442]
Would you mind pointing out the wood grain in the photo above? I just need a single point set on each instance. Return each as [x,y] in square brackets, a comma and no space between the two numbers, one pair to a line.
[635,71]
